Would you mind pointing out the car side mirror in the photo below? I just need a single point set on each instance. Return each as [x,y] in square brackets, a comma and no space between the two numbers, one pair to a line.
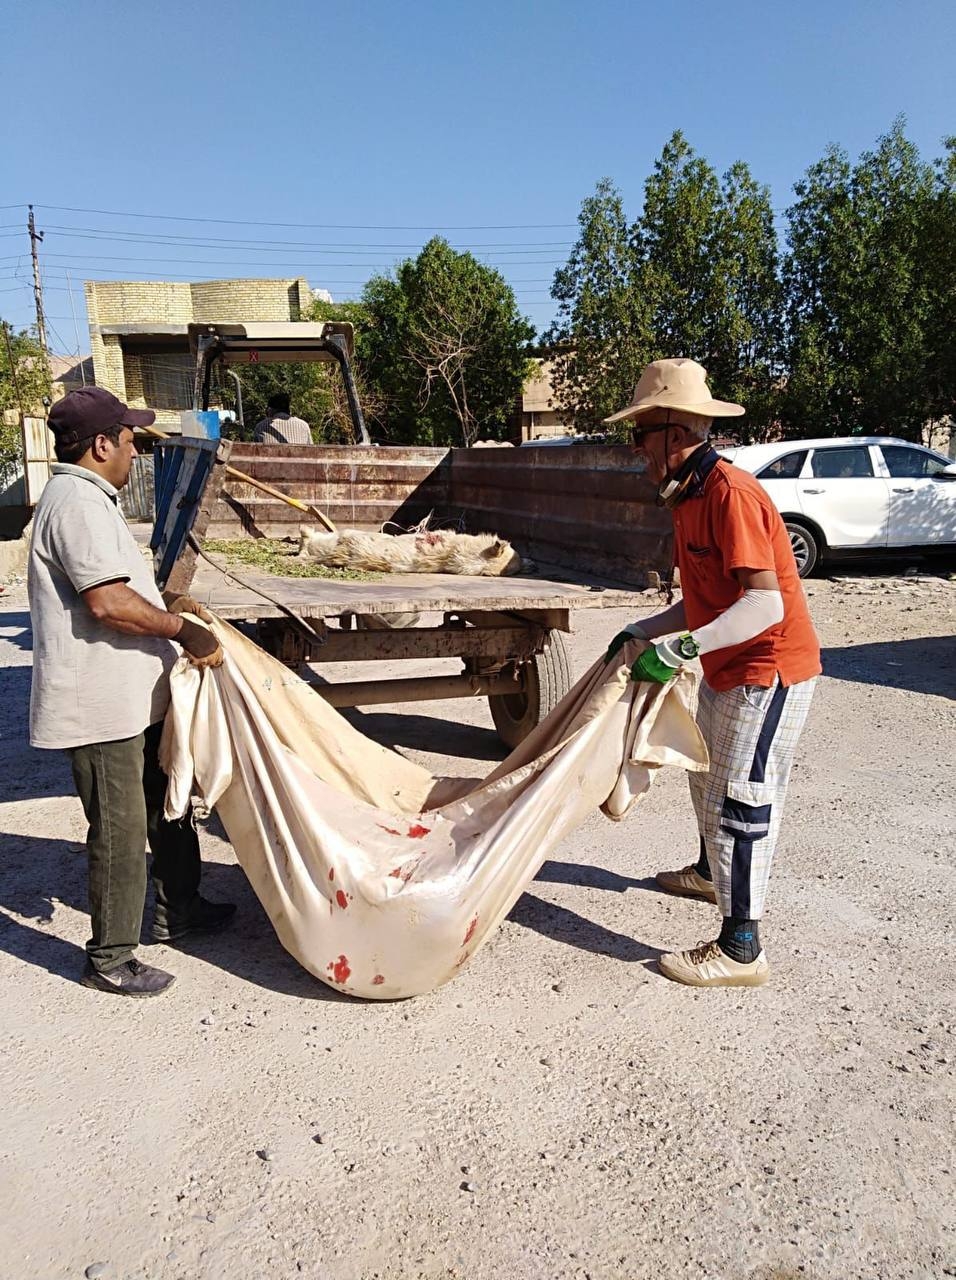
[947,473]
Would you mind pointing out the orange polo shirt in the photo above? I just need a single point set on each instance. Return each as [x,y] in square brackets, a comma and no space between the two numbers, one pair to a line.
[734,525]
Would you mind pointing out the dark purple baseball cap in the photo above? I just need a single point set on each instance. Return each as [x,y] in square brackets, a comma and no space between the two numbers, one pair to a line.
[88,411]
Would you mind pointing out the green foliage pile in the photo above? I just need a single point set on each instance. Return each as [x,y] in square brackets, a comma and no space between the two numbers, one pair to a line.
[273,556]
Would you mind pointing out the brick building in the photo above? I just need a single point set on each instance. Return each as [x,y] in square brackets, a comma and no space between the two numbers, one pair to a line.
[139,339]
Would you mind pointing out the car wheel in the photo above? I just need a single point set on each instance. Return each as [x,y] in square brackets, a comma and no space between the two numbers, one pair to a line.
[805,545]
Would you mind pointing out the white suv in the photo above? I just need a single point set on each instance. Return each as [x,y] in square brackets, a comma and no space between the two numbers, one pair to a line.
[856,494]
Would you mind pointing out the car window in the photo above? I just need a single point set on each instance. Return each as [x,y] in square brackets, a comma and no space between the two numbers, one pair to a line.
[904,461]
[836,464]
[786,468]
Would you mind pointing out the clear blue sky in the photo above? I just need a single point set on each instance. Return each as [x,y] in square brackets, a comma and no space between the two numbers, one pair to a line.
[381,123]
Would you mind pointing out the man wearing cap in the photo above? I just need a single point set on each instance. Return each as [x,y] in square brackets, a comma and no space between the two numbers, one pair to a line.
[102,654]
[744,614]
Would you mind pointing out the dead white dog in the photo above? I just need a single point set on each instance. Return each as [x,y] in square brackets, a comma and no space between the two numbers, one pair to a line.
[434,551]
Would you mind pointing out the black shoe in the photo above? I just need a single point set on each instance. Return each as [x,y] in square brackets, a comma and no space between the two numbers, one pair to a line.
[199,917]
[129,979]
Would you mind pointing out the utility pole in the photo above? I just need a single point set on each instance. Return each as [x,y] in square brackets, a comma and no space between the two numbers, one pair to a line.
[36,237]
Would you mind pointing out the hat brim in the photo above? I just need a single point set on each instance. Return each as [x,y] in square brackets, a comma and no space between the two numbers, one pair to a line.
[704,408]
[137,418]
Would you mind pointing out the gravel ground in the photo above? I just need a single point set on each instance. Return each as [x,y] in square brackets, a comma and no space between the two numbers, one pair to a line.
[560,1111]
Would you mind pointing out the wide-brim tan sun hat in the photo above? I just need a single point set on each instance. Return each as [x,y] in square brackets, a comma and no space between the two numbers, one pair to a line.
[676,384]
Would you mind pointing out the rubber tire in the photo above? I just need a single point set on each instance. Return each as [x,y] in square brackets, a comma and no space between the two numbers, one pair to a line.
[803,538]
[548,680]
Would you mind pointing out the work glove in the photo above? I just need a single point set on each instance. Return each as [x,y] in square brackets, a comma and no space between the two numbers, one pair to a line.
[201,646]
[634,632]
[661,662]
[176,603]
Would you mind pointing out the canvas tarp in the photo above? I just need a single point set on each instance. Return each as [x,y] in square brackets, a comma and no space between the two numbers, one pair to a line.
[380,878]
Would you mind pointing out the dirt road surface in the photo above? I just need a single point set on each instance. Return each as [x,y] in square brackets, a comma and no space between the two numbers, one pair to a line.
[560,1111]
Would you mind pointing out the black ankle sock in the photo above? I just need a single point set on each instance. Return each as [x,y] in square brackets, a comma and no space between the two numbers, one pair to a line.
[703,866]
[740,939]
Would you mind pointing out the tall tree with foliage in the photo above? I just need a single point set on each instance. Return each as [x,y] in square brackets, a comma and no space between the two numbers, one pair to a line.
[676,243]
[861,294]
[601,338]
[24,384]
[745,357]
[447,348]
[939,271]
[696,275]
[709,268]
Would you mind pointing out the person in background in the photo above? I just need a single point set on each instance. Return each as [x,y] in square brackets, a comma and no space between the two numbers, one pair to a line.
[281,427]
[744,614]
[104,641]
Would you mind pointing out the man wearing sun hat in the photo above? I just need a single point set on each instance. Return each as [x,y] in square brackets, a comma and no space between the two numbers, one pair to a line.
[102,650]
[744,614]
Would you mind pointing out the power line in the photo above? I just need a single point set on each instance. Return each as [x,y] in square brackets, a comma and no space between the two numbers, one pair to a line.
[316,226]
[201,241]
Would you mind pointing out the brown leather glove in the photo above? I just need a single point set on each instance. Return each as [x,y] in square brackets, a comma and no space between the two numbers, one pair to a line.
[176,603]
[202,647]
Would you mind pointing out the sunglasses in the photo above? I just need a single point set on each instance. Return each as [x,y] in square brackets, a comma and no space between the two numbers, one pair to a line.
[638,433]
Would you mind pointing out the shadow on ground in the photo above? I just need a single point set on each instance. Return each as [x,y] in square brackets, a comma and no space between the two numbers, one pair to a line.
[38,875]
[585,876]
[428,733]
[926,664]
[566,926]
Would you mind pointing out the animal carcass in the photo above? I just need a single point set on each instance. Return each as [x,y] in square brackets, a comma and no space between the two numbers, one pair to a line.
[433,551]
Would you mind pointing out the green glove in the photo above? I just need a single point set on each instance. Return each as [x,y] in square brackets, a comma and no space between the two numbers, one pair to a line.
[650,666]
[621,639]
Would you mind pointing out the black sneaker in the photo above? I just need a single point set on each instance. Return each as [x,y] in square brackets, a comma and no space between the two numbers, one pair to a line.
[200,917]
[130,979]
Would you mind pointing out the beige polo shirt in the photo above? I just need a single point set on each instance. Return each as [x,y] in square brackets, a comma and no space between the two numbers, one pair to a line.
[90,684]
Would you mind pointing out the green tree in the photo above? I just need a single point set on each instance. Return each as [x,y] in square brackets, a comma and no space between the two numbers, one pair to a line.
[696,275]
[861,293]
[446,348]
[745,358]
[676,243]
[939,271]
[24,384]
[601,337]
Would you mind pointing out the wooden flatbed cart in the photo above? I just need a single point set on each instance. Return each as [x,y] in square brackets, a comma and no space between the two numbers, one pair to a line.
[507,632]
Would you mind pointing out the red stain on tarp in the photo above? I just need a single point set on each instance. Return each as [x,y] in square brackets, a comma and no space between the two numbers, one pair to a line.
[378,979]
[331,873]
[341,899]
[417,831]
[470,933]
[339,969]
[390,830]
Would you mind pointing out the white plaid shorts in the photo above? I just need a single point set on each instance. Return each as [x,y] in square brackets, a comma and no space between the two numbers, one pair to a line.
[752,735]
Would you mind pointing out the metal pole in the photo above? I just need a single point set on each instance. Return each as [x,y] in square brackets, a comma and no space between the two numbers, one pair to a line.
[235,377]
[35,238]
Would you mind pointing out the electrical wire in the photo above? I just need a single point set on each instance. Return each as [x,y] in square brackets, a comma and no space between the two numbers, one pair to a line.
[314,226]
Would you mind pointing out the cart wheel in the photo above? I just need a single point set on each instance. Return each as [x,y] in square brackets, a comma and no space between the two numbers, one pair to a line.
[547,678]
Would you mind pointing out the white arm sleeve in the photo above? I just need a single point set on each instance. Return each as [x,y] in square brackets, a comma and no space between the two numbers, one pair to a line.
[746,618]
[660,624]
